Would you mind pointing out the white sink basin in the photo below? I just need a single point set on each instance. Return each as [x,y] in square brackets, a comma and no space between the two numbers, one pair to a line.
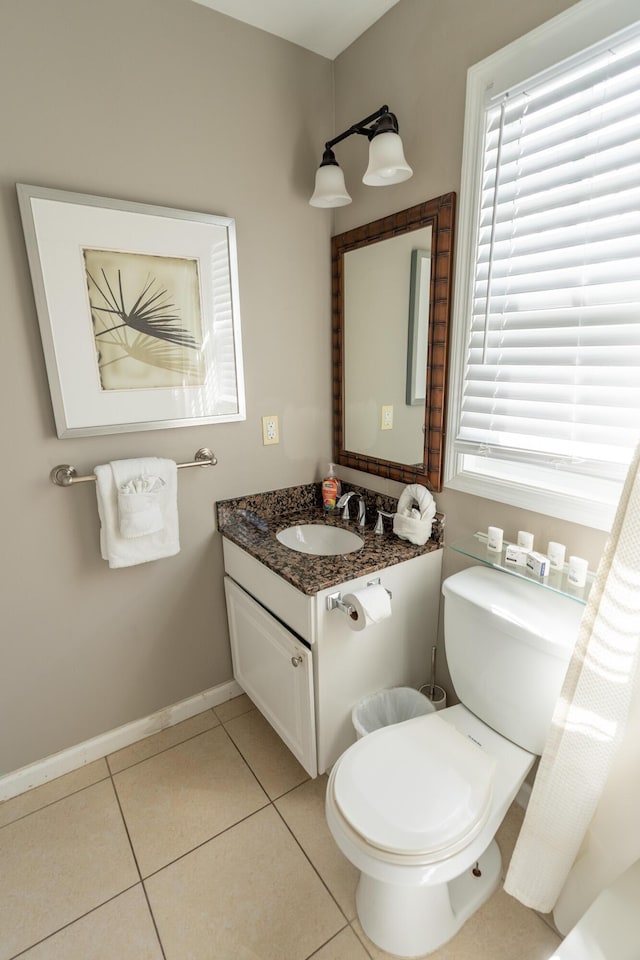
[320,539]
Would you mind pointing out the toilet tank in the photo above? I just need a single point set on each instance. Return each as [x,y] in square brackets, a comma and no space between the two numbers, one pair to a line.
[508,644]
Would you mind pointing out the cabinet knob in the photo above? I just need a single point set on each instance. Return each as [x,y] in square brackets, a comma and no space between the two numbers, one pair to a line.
[296,661]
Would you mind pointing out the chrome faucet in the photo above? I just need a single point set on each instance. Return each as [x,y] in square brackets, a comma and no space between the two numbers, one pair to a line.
[344,502]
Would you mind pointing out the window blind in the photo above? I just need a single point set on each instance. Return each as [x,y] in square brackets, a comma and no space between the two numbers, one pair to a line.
[553,362]
[224,382]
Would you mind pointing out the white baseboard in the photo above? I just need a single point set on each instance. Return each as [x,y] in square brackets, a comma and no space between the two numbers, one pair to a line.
[35,774]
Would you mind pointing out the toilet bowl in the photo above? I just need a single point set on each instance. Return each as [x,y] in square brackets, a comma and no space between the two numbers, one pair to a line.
[415,806]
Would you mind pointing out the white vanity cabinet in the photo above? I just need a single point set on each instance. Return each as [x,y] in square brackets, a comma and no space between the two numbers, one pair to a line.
[303,665]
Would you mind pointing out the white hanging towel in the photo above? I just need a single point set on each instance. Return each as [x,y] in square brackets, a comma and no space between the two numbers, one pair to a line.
[140,506]
[138,510]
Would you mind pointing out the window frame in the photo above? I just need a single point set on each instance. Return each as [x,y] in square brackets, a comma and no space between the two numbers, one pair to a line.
[569,33]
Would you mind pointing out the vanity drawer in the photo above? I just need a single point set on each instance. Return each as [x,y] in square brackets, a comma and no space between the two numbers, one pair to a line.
[274,593]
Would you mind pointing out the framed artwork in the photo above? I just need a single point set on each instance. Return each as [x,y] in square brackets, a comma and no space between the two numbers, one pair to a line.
[139,312]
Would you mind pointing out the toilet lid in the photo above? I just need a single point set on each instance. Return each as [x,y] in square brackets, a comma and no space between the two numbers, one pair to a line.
[418,787]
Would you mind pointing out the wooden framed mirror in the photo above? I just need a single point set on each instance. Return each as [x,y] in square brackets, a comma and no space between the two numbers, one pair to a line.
[391,302]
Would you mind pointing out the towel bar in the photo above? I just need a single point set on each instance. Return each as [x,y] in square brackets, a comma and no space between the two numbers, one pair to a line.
[64,474]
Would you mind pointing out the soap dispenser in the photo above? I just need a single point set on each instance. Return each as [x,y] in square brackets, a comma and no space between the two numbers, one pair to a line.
[331,488]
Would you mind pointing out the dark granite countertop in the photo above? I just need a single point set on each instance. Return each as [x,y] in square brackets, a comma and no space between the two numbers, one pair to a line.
[252,523]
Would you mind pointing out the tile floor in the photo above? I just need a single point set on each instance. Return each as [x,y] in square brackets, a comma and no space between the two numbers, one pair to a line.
[204,842]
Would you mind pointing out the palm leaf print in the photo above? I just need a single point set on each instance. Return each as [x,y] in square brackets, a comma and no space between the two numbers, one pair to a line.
[151,314]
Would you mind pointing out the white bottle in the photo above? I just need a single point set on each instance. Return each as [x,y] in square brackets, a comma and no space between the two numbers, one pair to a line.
[494,539]
[556,553]
[578,569]
[525,539]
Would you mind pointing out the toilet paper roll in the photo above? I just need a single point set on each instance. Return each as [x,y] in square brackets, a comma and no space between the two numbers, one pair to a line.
[369,605]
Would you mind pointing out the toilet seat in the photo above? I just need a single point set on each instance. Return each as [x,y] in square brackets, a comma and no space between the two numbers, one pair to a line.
[419,789]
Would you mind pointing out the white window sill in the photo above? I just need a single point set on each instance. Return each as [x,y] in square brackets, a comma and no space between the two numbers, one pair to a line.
[588,512]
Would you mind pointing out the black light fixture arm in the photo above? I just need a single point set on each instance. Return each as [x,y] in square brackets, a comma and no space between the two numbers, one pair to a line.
[382,121]
[363,128]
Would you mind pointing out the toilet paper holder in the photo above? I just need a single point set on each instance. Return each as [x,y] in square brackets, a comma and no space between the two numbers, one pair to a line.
[335,601]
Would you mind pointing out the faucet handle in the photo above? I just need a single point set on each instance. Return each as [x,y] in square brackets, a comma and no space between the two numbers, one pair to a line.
[379,529]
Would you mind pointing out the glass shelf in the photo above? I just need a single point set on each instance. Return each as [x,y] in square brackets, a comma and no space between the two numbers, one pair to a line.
[475,547]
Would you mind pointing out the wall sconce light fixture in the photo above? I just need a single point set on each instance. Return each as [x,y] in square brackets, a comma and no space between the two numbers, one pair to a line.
[387,164]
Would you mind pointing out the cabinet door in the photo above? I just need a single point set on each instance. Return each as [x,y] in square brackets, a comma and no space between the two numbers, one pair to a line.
[275,670]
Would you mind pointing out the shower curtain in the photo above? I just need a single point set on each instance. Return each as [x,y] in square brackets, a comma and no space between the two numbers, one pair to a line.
[580,830]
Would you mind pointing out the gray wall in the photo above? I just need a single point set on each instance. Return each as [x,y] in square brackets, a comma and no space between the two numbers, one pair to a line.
[166,102]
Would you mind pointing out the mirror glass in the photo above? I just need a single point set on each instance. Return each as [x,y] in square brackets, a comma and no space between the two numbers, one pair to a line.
[391,308]
[389,367]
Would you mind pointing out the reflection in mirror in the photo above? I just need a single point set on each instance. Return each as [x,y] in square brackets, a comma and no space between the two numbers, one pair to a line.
[377,300]
[391,307]
[418,340]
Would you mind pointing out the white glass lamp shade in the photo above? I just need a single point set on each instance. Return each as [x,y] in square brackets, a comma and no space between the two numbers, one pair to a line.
[330,190]
[386,161]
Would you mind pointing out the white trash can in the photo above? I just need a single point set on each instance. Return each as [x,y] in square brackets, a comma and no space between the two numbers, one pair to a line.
[388,706]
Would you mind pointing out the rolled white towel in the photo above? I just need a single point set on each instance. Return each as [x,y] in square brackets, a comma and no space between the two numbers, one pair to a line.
[414,518]
[417,497]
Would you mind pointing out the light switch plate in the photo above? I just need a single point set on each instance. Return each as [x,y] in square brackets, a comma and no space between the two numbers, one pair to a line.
[270,432]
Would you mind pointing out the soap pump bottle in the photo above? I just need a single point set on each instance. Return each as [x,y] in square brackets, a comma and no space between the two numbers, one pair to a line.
[330,489]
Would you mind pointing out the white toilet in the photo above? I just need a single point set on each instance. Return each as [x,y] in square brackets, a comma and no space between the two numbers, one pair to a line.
[415,806]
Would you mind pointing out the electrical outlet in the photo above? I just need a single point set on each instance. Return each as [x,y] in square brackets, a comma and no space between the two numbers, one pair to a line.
[270,430]
[386,422]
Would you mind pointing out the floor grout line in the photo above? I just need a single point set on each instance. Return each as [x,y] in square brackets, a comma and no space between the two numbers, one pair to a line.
[135,860]
[311,863]
[51,803]
[126,828]
[203,843]
[153,920]
[315,953]
[65,926]
[163,749]
[361,941]
[254,774]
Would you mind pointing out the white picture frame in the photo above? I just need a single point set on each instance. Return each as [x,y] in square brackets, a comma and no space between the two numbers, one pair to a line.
[139,312]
